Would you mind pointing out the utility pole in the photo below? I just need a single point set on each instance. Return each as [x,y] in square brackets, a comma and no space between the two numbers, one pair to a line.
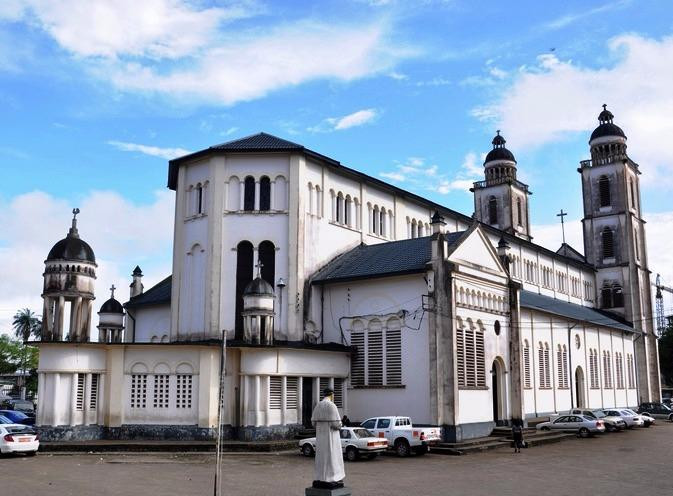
[220,404]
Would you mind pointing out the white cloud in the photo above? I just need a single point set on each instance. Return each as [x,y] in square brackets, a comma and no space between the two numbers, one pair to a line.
[556,99]
[354,119]
[189,52]
[436,81]
[154,151]
[568,19]
[398,76]
[122,234]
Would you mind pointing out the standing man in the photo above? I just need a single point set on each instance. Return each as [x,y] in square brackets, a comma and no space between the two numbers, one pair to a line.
[329,463]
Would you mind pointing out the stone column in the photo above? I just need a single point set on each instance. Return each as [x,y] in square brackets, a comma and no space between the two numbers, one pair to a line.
[256,195]
[86,399]
[58,319]
[257,387]
[100,401]
[245,403]
[47,318]
[272,199]
[283,400]
[41,386]
[56,385]
[300,396]
[241,199]
[267,403]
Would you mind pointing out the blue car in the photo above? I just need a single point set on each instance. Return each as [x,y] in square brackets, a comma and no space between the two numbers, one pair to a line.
[18,417]
[5,420]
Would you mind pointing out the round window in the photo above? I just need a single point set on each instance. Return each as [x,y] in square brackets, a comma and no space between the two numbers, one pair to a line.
[496,327]
[577,341]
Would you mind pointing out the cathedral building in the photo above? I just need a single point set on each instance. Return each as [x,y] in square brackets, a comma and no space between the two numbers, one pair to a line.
[319,275]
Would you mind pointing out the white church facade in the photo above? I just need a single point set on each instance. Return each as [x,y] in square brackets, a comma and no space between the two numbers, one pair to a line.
[319,275]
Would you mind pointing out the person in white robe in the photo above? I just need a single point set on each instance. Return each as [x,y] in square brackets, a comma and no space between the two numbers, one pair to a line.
[329,463]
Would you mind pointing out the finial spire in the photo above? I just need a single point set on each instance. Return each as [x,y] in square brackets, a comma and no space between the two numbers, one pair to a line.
[259,268]
[563,214]
[112,291]
[73,229]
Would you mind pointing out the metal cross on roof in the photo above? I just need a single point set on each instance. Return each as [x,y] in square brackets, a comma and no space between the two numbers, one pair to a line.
[563,229]
[259,268]
[112,290]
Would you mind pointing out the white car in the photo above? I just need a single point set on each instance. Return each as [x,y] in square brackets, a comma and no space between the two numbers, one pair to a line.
[355,441]
[631,419]
[17,438]
[402,436]
[583,426]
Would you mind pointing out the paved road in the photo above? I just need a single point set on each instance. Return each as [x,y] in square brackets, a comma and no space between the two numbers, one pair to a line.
[633,462]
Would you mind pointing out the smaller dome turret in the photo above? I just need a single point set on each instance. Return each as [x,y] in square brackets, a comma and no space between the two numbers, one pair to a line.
[499,151]
[258,310]
[606,127]
[111,320]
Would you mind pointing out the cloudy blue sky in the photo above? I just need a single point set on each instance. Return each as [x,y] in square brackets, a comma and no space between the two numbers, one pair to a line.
[96,95]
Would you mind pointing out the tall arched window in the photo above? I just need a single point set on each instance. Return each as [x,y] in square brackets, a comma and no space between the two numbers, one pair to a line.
[348,205]
[633,196]
[318,201]
[382,222]
[267,257]
[414,232]
[519,215]
[339,208]
[249,194]
[526,364]
[604,191]
[264,193]
[244,271]
[375,220]
[199,199]
[608,240]
[636,244]
[492,210]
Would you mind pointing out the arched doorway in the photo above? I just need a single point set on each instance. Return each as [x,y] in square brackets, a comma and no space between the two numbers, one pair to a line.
[579,387]
[498,391]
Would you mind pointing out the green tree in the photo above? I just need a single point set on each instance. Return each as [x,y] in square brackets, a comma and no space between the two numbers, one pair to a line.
[26,323]
[15,355]
[666,355]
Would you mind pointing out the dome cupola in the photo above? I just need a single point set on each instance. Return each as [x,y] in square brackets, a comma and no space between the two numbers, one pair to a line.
[111,320]
[72,248]
[606,128]
[499,152]
[258,310]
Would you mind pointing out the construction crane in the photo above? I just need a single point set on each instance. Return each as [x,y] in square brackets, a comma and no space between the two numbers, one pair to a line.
[659,304]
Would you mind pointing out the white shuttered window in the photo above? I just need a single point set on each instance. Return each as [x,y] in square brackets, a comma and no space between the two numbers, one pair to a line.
[378,359]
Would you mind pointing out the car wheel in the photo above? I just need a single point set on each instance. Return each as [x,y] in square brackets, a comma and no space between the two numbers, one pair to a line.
[610,428]
[402,448]
[584,432]
[352,454]
[307,450]
[421,450]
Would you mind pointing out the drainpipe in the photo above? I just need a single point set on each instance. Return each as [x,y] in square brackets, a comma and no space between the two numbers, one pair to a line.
[133,337]
[570,362]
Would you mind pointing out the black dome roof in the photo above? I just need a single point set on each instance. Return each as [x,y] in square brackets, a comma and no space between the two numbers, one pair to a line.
[606,127]
[258,286]
[72,247]
[499,151]
[112,306]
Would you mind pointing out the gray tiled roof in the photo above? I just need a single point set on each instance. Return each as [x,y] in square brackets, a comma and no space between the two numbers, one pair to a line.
[572,311]
[159,294]
[381,260]
[259,141]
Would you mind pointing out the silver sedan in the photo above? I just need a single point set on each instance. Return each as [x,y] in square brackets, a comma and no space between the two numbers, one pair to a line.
[583,426]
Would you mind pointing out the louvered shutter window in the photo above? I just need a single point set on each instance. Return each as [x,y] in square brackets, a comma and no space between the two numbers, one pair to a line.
[393,357]
[358,361]
[93,398]
[338,392]
[80,391]
[375,357]
[291,391]
[526,365]
[276,392]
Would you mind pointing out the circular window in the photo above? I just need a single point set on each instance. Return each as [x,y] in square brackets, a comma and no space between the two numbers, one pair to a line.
[496,327]
[577,341]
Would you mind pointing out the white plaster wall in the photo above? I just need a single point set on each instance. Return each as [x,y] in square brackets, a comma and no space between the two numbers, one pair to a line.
[152,323]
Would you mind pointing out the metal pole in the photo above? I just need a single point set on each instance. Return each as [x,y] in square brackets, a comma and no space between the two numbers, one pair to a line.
[220,402]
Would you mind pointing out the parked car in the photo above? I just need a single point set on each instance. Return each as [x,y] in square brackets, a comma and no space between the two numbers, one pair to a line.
[631,419]
[355,442]
[402,436]
[657,410]
[5,420]
[612,424]
[18,438]
[583,426]
[25,406]
[18,417]
[649,419]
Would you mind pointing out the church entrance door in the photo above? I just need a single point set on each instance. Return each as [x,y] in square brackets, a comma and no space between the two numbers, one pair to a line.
[579,387]
[498,390]
[306,401]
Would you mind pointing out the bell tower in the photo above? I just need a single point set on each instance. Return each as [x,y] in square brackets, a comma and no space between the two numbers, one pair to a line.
[614,242]
[501,200]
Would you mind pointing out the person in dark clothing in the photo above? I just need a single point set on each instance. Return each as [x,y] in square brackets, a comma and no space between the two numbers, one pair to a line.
[346,422]
[517,434]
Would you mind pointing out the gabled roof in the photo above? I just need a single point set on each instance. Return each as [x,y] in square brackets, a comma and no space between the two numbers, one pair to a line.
[394,258]
[159,294]
[573,311]
[568,251]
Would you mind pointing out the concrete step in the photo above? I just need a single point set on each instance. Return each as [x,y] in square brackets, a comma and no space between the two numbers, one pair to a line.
[458,449]
[104,446]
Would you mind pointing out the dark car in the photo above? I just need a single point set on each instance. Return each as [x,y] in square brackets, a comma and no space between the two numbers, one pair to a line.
[656,410]
[24,406]
[5,420]
[18,417]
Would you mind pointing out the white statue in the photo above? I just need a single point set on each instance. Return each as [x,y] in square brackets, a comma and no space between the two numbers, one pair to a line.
[329,462]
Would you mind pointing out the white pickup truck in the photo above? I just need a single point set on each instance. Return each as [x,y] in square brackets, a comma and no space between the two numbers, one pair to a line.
[402,436]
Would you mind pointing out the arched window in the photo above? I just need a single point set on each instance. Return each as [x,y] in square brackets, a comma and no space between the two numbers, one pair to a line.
[382,222]
[318,201]
[519,215]
[633,196]
[636,244]
[267,257]
[234,194]
[249,194]
[339,208]
[199,199]
[526,364]
[265,193]
[617,296]
[414,232]
[492,210]
[607,238]
[604,191]
[348,205]
[244,274]
[375,220]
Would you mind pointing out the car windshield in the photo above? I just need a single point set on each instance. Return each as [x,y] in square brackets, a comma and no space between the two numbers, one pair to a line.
[598,414]
[21,429]
[5,420]
[628,413]
[16,415]
[363,433]
[23,405]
